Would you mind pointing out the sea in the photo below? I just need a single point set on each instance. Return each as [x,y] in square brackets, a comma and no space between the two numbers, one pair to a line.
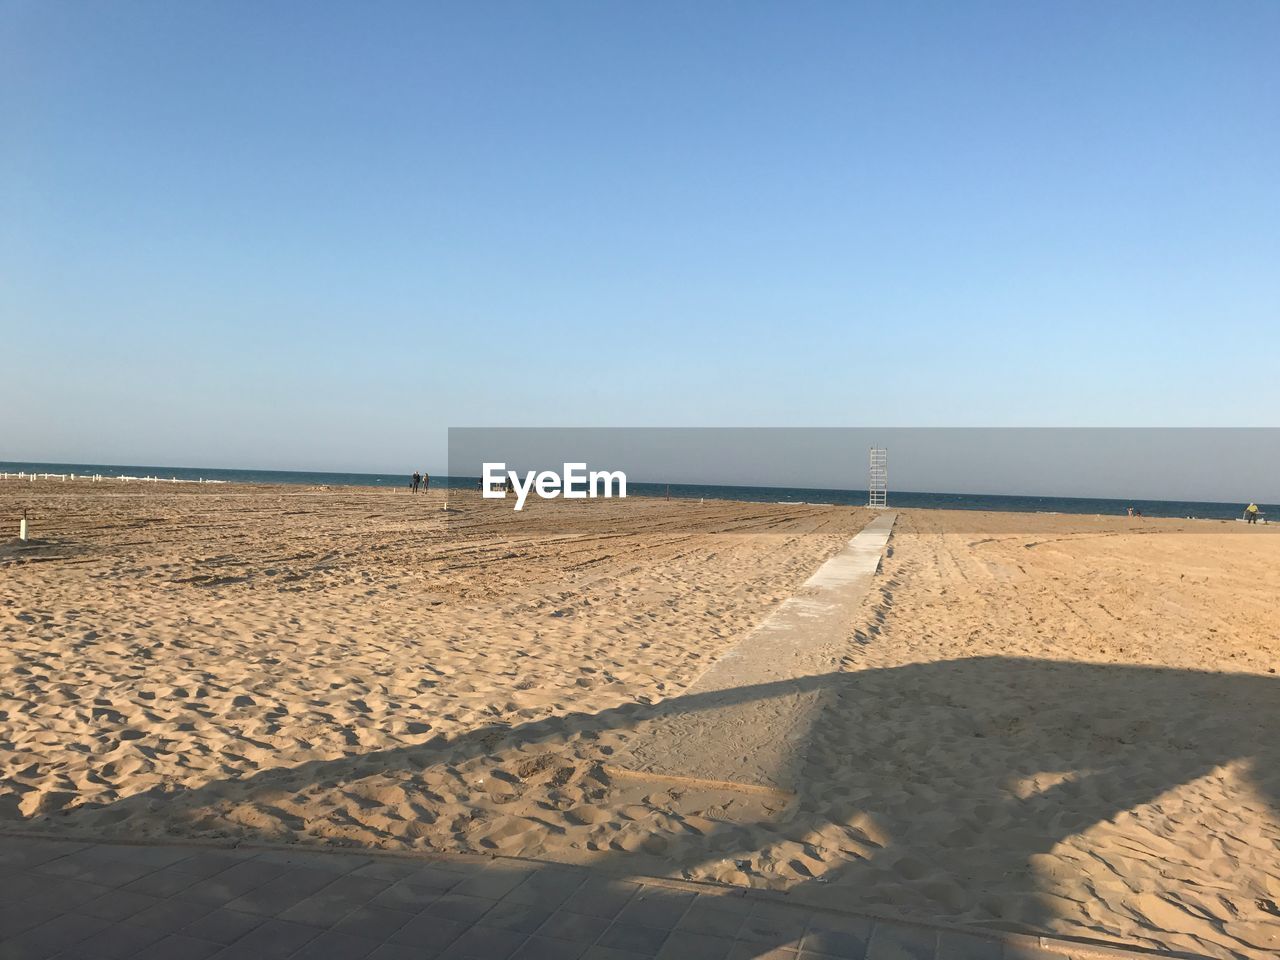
[1200,509]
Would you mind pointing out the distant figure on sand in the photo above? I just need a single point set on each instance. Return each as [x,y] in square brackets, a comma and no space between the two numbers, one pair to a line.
[415,480]
[1131,511]
[426,481]
[1251,513]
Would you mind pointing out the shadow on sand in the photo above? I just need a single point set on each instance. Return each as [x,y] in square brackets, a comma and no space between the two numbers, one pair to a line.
[935,754]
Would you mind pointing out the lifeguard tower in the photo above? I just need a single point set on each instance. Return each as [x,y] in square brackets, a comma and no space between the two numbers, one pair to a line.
[878,478]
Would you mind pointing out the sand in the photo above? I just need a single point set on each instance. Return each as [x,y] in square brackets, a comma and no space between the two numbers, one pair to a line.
[1053,723]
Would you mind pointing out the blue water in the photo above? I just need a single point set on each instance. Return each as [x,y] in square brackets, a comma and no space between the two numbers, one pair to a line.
[897,498]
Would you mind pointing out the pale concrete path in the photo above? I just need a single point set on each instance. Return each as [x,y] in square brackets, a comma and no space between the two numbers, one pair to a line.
[80,901]
[762,742]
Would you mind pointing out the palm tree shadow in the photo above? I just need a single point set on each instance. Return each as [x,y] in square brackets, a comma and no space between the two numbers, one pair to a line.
[960,778]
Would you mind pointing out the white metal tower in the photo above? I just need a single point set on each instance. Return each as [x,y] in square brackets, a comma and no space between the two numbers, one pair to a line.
[878,478]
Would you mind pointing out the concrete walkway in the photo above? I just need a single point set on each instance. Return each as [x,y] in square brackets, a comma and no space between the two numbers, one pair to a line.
[762,742]
[111,902]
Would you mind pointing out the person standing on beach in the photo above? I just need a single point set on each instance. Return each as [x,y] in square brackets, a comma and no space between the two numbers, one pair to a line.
[414,481]
[1251,513]
[426,481]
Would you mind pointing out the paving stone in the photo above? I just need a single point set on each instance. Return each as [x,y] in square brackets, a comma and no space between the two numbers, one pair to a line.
[656,907]
[264,901]
[466,864]
[170,916]
[634,937]
[95,869]
[778,928]
[435,879]
[519,917]
[15,918]
[612,953]
[417,890]
[271,940]
[705,917]
[155,856]
[118,905]
[566,925]
[494,883]
[28,852]
[378,923]
[329,861]
[781,908]
[334,945]
[454,906]
[207,863]
[962,946]
[21,949]
[395,951]
[844,938]
[548,888]
[30,886]
[303,878]
[256,872]
[684,945]
[119,941]
[223,925]
[234,882]
[178,947]
[59,932]
[548,948]
[425,930]
[329,905]
[896,941]
[602,899]
[282,892]
[267,902]
[165,882]
[64,894]
[68,866]
[391,870]
[483,943]
[728,902]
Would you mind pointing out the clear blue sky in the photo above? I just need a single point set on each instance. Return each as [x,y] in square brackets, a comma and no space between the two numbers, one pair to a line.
[317,234]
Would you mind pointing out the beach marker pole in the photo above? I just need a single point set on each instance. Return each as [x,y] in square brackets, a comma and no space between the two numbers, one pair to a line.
[22,527]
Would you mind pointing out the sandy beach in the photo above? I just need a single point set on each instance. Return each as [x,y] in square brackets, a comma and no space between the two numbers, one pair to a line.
[1059,723]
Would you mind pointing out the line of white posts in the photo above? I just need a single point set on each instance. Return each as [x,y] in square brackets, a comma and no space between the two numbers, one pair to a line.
[97,478]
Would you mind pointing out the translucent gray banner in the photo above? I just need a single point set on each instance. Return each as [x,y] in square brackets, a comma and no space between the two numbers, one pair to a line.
[1024,475]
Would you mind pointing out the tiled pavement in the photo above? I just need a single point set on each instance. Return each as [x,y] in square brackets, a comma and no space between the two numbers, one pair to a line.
[108,902]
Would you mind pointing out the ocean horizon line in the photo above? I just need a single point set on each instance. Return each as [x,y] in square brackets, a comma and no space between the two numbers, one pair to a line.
[767,493]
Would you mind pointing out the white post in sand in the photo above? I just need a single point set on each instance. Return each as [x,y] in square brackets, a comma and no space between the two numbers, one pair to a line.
[22,527]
